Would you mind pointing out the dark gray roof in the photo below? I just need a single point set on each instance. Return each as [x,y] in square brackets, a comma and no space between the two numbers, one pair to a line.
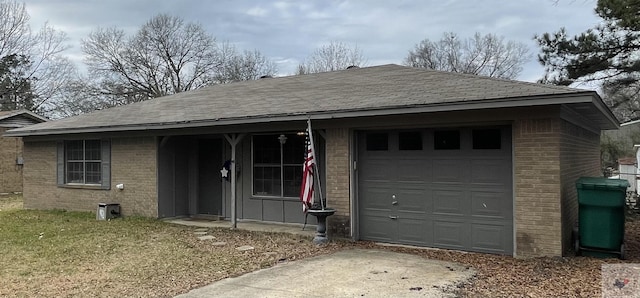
[376,90]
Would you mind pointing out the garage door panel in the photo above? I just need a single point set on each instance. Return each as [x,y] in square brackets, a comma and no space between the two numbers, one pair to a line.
[412,170]
[376,195]
[449,201]
[489,204]
[448,170]
[412,197]
[489,237]
[489,171]
[377,170]
[415,231]
[379,228]
[449,234]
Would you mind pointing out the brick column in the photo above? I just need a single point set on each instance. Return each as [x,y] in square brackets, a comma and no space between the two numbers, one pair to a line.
[537,182]
[338,173]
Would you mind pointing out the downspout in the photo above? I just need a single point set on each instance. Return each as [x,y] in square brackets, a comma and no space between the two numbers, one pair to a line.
[233,140]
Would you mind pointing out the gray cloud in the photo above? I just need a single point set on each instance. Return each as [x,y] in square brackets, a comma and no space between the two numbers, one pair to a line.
[287,30]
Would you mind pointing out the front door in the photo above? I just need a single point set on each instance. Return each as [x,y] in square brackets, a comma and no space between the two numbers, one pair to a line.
[210,163]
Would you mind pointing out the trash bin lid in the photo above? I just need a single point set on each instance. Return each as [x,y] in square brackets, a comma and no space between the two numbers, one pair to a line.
[602,183]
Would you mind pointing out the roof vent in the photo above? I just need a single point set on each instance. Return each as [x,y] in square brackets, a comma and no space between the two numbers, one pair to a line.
[266,77]
[352,66]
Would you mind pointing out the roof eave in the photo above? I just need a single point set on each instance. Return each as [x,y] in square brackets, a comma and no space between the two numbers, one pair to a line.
[581,97]
[606,112]
[26,113]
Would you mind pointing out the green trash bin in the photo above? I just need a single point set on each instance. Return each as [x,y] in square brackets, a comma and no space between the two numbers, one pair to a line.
[601,204]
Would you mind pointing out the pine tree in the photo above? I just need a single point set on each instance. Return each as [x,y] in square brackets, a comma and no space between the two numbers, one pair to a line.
[15,85]
[608,54]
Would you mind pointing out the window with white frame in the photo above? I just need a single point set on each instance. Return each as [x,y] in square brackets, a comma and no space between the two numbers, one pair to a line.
[277,164]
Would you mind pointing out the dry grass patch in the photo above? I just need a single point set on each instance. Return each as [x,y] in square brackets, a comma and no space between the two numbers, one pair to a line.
[58,253]
[10,202]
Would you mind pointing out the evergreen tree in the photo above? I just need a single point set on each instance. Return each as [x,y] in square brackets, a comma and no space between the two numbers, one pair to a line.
[608,54]
[15,84]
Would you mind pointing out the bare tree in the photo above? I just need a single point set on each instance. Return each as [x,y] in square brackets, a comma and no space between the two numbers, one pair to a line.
[84,95]
[165,56]
[331,57]
[47,70]
[245,66]
[487,55]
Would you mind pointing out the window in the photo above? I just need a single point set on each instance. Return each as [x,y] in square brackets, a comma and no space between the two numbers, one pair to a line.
[446,140]
[277,164]
[486,139]
[410,140]
[377,141]
[84,162]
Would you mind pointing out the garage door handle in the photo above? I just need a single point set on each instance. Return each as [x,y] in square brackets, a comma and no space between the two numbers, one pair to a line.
[393,217]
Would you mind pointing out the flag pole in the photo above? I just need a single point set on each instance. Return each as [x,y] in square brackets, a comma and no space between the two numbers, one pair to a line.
[315,164]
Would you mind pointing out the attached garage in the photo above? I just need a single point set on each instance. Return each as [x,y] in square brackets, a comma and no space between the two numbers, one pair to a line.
[444,187]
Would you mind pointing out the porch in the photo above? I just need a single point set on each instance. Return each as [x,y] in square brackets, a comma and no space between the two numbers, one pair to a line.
[250,225]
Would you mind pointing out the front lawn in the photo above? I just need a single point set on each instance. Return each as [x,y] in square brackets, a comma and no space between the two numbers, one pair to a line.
[60,254]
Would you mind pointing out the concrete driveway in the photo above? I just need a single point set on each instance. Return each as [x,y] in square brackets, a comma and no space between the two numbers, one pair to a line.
[349,273]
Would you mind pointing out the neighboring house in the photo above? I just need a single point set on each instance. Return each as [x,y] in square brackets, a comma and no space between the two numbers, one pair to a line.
[407,155]
[11,159]
[628,170]
[620,143]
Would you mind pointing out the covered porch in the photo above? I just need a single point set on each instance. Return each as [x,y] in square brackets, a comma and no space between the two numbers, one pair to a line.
[251,174]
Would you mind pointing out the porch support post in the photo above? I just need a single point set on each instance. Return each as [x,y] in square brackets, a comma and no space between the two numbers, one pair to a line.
[233,140]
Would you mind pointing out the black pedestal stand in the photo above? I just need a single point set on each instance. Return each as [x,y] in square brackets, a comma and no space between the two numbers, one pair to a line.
[321,230]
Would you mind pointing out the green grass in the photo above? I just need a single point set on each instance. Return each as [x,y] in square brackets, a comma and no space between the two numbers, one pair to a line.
[59,253]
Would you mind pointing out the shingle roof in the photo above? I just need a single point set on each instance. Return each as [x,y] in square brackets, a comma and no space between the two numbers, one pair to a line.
[378,88]
[24,113]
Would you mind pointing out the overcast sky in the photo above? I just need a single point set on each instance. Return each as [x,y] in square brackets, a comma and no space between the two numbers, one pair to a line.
[287,31]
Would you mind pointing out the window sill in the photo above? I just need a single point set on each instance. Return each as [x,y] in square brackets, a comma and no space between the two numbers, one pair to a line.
[82,186]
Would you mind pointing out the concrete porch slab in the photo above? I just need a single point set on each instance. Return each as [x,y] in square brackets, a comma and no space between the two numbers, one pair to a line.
[258,226]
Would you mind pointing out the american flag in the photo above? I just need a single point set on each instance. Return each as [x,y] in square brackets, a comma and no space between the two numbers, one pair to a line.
[306,191]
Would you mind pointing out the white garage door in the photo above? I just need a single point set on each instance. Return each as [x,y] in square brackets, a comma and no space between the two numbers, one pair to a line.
[448,188]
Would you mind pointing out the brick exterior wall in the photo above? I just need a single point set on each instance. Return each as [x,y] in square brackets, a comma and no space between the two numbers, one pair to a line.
[549,156]
[10,172]
[537,164]
[579,156]
[133,162]
[338,184]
